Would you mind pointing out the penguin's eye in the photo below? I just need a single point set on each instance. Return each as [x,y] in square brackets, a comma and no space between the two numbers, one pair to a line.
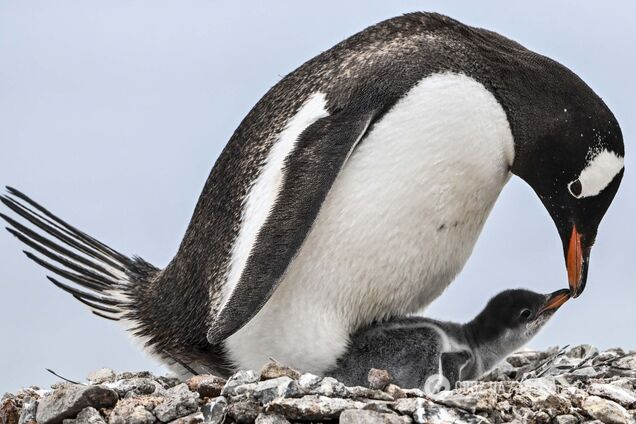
[525,314]
[575,188]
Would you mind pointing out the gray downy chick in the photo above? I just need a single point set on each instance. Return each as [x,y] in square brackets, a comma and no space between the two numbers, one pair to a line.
[418,351]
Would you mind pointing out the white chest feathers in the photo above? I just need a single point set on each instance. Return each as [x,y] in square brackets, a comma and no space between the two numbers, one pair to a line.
[397,226]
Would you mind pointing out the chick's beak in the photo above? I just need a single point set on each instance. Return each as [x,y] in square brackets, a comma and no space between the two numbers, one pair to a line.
[555,300]
[576,261]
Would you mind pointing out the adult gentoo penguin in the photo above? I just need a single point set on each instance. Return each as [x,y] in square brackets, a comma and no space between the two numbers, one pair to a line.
[353,191]
[417,350]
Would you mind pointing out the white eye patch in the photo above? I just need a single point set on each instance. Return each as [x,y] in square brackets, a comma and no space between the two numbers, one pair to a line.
[599,172]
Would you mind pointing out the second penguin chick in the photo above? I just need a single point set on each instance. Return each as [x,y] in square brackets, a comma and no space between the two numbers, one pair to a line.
[417,351]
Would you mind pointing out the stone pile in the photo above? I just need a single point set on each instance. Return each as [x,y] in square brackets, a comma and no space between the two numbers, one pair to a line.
[560,386]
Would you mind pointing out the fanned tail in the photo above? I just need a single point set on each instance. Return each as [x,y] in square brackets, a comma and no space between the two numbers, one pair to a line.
[102,278]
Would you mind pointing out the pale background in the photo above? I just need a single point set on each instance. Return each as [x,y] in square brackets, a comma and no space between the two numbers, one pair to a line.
[112,114]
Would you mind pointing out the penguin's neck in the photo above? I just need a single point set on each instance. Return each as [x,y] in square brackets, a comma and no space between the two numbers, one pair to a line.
[490,344]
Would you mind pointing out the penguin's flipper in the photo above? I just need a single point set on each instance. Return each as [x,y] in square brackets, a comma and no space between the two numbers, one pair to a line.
[452,364]
[310,169]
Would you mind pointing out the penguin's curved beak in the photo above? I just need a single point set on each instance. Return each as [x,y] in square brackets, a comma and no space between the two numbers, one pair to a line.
[576,260]
[554,301]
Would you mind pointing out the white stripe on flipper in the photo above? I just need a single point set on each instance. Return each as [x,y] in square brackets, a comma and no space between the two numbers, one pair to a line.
[266,188]
[599,172]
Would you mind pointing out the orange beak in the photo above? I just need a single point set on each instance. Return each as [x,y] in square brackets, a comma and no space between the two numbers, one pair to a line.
[555,301]
[574,262]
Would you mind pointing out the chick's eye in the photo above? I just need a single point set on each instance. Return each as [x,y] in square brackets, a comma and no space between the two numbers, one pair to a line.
[575,188]
[525,314]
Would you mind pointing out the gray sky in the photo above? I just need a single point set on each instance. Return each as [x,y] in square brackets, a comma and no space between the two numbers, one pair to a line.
[113,113]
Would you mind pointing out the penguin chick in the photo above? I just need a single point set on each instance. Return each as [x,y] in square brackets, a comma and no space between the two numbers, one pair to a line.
[417,351]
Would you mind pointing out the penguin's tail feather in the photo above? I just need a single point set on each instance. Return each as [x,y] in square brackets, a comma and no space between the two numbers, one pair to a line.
[102,278]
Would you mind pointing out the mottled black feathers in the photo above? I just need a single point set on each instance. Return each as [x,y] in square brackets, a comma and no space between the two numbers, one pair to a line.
[101,276]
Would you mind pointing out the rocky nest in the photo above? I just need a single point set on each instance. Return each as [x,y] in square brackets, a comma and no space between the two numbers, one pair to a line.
[561,386]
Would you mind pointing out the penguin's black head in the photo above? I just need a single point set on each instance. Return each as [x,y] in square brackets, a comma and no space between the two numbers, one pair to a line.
[514,316]
[569,149]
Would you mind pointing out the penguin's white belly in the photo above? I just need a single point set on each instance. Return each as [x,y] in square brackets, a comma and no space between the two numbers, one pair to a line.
[397,226]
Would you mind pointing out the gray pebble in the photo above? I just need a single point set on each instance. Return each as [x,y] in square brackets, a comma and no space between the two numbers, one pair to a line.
[102,375]
[215,410]
[361,416]
[179,402]
[68,400]
[271,419]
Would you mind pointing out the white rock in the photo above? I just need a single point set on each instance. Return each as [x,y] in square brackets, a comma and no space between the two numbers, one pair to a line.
[214,411]
[239,379]
[312,407]
[330,387]
[613,392]
[606,411]
[360,416]
[270,419]
[308,381]
[102,375]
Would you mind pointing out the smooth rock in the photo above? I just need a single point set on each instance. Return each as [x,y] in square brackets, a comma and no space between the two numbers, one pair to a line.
[275,370]
[308,381]
[613,392]
[606,411]
[330,387]
[271,419]
[268,390]
[102,375]
[179,402]
[361,416]
[312,407]
[239,379]
[244,412]
[68,400]
[215,410]
[378,379]
[206,385]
